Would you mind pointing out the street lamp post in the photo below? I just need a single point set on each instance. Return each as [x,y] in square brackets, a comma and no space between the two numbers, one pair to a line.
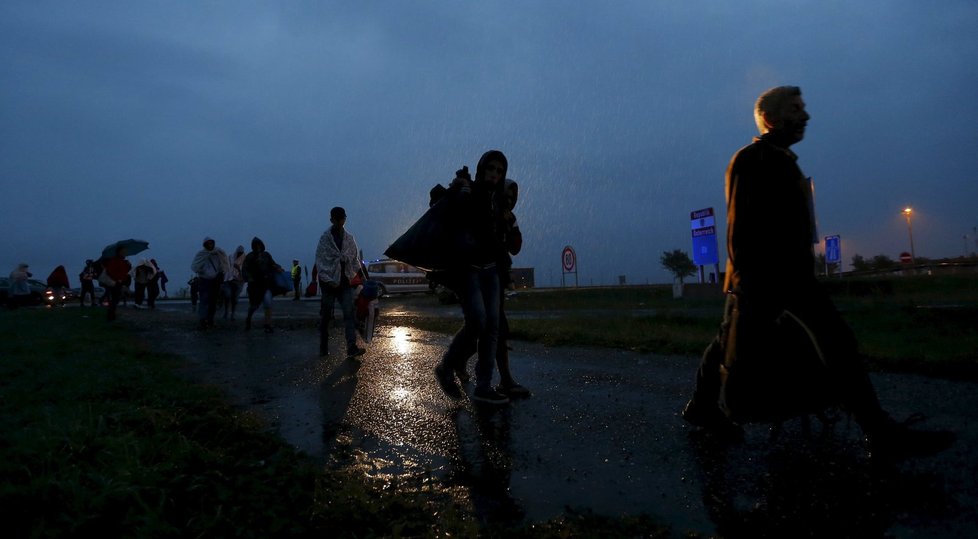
[913,256]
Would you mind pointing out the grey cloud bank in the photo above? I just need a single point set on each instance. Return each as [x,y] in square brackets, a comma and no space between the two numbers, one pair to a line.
[171,122]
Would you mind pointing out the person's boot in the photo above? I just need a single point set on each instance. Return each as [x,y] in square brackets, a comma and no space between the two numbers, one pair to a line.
[889,439]
[446,379]
[711,419]
[355,351]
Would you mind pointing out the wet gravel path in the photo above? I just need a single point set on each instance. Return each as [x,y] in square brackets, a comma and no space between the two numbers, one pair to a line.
[601,433]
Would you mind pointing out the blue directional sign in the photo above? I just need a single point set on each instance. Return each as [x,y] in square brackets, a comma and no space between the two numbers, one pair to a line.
[833,250]
[703,225]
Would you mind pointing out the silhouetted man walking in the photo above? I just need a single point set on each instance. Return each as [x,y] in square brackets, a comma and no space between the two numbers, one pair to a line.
[769,207]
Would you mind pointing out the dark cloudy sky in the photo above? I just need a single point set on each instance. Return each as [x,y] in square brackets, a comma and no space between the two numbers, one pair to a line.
[171,121]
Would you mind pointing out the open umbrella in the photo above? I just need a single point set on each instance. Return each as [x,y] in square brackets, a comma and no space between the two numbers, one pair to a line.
[132,247]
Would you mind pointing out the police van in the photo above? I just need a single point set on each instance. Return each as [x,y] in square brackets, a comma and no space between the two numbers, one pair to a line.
[397,277]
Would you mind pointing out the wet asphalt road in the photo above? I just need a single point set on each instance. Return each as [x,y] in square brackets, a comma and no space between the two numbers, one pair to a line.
[601,433]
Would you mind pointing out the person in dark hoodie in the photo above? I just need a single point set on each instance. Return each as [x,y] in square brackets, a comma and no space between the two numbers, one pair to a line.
[87,278]
[511,239]
[259,270]
[475,277]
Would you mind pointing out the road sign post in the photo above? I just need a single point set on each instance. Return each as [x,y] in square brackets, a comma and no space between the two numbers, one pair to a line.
[833,252]
[568,264]
[703,226]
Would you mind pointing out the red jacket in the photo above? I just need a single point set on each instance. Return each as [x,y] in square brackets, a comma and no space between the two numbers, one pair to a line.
[117,268]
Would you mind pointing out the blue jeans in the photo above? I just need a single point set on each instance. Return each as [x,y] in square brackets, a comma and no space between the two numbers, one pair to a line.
[343,294]
[479,294]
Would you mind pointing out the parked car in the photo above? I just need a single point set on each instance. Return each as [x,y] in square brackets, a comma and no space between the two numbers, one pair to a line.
[54,296]
[397,277]
[38,290]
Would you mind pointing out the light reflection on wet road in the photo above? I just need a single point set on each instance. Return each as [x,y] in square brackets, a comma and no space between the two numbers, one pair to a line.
[601,431]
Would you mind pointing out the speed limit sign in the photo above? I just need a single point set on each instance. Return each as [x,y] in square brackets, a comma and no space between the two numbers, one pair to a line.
[569,259]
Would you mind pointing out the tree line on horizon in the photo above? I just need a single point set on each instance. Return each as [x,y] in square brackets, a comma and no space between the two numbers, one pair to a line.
[680,265]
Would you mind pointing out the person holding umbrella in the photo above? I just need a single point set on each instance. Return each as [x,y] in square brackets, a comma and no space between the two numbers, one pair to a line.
[115,271]
[211,265]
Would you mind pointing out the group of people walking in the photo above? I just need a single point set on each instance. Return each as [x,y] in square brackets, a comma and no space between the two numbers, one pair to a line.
[147,276]
[778,320]
[218,276]
[339,272]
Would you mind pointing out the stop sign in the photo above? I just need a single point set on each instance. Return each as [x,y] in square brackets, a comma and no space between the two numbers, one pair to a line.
[906,258]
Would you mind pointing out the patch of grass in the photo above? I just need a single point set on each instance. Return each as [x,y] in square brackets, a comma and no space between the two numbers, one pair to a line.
[665,334]
[632,297]
[668,334]
[941,342]
[101,438]
[921,324]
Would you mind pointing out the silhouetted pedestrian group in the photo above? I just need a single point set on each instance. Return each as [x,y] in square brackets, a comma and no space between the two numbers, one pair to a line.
[781,350]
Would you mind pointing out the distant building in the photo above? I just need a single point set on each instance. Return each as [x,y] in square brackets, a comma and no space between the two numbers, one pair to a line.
[522,277]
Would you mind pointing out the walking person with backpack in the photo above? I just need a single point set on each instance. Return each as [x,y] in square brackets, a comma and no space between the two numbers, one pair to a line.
[87,278]
[144,275]
[258,270]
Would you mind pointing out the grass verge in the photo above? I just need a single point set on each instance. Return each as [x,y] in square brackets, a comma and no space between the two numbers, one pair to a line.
[101,438]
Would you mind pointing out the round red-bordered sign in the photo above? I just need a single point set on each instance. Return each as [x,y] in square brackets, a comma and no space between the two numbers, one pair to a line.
[568,259]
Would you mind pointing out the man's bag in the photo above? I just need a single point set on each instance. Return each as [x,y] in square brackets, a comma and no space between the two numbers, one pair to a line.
[773,369]
[105,280]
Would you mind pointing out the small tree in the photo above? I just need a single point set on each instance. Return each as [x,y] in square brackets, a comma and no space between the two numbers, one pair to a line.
[860,264]
[882,262]
[678,263]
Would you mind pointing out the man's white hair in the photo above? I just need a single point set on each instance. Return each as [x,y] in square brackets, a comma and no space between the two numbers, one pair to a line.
[770,104]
